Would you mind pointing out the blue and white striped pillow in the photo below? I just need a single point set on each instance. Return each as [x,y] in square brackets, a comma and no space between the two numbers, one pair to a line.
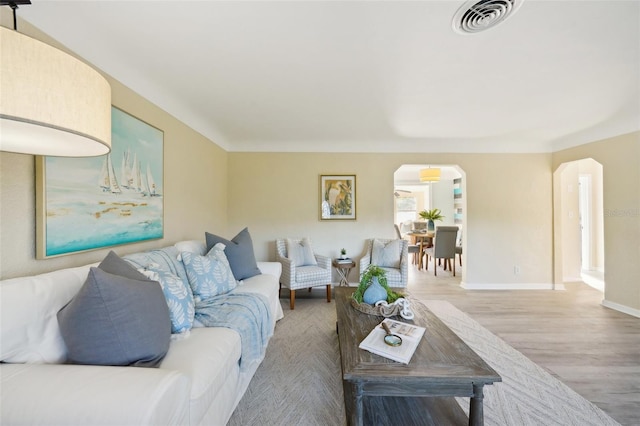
[209,275]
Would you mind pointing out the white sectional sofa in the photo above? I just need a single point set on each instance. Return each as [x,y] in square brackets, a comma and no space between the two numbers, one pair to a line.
[198,382]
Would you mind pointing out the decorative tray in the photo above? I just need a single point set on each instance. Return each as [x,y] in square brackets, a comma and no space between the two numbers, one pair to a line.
[380,310]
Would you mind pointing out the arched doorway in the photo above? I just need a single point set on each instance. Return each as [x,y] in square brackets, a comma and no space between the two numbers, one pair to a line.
[579,223]
[448,194]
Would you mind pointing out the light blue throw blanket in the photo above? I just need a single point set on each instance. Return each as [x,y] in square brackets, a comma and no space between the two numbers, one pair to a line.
[246,313]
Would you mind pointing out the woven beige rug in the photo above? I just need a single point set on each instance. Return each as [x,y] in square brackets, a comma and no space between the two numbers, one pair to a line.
[299,381]
[527,395]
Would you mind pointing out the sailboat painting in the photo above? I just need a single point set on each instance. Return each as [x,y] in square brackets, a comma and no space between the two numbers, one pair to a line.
[96,202]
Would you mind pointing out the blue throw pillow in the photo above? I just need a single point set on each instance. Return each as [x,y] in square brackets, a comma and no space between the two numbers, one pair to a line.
[239,252]
[178,296]
[209,275]
[115,320]
[116,265]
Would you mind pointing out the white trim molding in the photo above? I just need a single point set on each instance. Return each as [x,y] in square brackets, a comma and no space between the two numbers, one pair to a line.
[512,286]
[621,308]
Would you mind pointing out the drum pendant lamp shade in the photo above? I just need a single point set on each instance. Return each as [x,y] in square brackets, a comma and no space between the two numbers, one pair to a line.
[50,102]
[430,175]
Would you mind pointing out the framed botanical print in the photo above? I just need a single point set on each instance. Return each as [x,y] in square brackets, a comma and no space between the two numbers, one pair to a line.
[337,197]
[95,202]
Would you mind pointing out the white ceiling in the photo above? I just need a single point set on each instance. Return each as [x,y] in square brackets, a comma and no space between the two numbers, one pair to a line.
[367,76]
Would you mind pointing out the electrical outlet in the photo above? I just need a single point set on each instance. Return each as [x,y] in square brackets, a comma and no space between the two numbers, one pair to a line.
[516,270]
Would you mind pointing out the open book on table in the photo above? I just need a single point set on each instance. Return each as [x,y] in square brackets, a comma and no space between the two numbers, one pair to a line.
[410,334]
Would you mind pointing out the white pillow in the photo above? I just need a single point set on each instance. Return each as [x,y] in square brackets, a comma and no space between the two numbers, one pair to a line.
[300,252]
[29,329]
[386,253]
[194,246]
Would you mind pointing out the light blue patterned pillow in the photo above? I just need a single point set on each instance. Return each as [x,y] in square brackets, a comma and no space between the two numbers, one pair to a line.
[386,253]
[178,296]
[209,275]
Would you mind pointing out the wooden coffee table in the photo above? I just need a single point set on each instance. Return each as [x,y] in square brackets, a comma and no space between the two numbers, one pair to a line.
[379,391]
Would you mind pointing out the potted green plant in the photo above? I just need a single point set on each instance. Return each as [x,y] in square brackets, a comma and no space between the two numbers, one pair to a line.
[430,216]
[374,271]
[343,253]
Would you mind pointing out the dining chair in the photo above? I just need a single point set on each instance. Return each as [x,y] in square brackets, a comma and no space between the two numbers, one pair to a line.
[444,247]
[459,247]
[411,248]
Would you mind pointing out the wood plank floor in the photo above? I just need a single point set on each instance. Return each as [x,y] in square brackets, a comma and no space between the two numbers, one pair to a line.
[592,349]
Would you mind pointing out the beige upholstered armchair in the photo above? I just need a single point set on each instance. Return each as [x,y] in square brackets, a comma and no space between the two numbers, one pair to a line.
[390,255]
[301,268]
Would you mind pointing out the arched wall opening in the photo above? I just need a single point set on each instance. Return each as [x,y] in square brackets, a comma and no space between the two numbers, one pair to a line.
[448,194]
[579,223]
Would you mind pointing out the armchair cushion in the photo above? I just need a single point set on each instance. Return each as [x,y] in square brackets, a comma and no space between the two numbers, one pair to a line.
[239,252]
[311,274]
[386,253]
[300,252]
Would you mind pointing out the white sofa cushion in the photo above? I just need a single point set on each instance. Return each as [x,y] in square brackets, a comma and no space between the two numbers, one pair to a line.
[209,357]
[29,329]
[45,394]
[263,284]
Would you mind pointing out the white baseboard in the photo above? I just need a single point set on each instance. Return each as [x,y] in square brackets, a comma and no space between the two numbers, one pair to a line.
[621,308]
[513,286]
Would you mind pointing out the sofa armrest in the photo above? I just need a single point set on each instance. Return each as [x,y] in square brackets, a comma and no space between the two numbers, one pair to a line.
[271,268]
[45,394]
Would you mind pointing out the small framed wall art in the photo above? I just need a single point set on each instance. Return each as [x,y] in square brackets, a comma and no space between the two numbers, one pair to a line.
[337,197]
[95,202]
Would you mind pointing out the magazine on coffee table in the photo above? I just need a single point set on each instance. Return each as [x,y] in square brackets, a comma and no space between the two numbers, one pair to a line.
[409,333]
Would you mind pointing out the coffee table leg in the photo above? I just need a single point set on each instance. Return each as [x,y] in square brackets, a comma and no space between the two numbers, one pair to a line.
[476,414]
[359,405]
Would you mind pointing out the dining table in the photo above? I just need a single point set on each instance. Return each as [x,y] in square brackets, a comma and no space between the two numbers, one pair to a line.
[423,240]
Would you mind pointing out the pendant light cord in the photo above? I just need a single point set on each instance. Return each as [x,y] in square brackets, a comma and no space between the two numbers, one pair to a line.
[13,4]
[14,7]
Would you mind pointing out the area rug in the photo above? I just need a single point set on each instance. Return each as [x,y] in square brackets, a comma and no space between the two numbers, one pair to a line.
[527,395]
[299,381]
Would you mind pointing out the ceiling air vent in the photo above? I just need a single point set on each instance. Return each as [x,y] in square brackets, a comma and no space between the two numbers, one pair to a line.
[476,16]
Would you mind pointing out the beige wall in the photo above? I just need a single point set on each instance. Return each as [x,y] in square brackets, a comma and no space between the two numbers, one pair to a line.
[620,157]
[195,190]
[508,208]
